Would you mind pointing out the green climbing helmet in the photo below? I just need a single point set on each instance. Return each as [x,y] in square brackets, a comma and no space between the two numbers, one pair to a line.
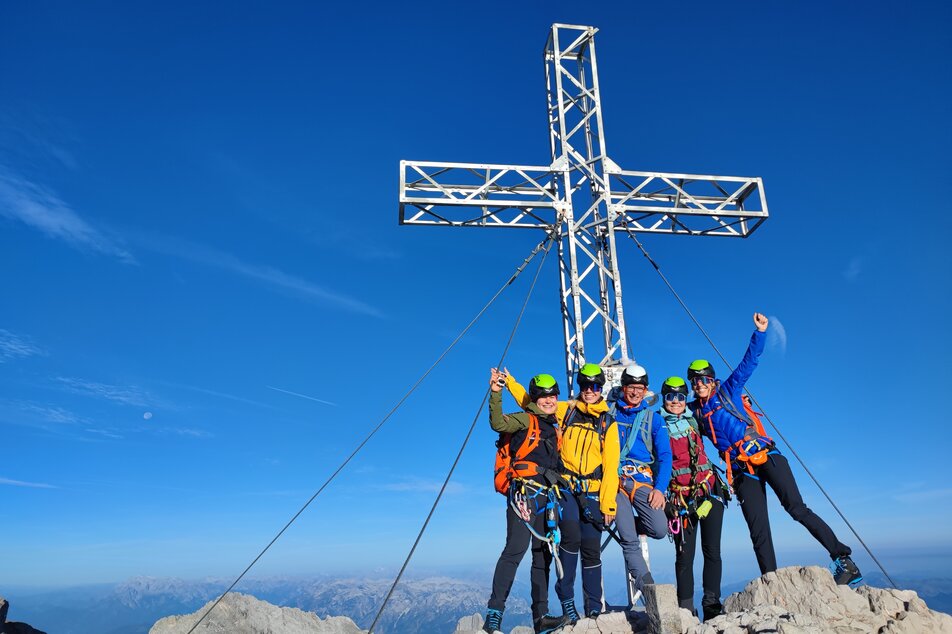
[674,385]
[590,374]
[542,385]
[700,367]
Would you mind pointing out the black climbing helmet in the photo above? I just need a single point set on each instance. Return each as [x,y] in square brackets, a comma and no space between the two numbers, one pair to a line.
[674,385]
[700,367]
[590,374]
[542,385]
[634,375]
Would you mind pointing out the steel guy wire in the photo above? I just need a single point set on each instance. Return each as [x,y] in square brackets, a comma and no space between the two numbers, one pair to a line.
[542,245]
[462,448]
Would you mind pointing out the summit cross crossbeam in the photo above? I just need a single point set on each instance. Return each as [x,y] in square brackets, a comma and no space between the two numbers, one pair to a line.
[583,198]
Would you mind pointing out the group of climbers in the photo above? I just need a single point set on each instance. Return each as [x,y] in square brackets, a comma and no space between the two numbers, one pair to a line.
[571,469]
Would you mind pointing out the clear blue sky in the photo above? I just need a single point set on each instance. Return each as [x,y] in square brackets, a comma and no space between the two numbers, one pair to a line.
[198,225]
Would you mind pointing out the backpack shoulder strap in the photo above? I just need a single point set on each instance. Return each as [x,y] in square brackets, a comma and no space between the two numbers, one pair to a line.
[569,415]
[532,439]
[645,431]
[630,440]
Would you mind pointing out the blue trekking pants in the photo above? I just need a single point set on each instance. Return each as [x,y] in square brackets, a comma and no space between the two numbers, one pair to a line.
[581,535]
[649,521]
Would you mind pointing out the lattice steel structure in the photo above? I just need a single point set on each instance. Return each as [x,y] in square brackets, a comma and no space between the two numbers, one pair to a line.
[583,198]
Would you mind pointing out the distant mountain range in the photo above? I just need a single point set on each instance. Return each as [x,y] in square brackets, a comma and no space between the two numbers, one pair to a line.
[419,606]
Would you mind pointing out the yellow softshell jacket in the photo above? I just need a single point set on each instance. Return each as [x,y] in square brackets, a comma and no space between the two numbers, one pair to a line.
[582,451]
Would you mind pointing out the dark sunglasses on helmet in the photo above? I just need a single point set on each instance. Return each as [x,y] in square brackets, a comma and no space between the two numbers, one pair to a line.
[703,380]
[671,397]
[585,385]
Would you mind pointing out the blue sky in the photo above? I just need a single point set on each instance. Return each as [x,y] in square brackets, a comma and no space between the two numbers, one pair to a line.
[206,300]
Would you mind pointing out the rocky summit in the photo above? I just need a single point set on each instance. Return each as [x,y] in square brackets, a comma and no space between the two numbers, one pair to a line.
[244,614]
[795,600]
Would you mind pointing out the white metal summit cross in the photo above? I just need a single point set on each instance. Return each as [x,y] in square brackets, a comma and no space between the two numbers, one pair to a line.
[583,198]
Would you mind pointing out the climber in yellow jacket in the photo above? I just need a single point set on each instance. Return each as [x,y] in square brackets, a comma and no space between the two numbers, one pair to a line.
[590,452]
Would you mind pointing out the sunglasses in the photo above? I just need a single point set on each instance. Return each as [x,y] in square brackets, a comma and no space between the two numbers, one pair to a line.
[671,397]
[703,380]
[595,387]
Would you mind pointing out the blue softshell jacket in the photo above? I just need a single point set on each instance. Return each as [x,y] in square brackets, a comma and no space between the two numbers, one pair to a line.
[625,417]
[728,429]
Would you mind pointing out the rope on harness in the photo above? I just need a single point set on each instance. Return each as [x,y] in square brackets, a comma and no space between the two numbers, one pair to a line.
[754,400]
[546,244]
[519,269]
[553,537]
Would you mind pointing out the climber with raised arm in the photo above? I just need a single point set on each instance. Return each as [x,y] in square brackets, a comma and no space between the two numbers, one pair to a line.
[753,460]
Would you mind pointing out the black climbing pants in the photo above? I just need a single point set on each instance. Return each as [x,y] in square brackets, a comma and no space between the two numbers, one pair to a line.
[710,529]
[518,539]
[752,494]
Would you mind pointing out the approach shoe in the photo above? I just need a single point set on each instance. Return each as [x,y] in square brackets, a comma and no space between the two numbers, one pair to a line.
[710,610]
[548,623]
[845,572]
[569,612]
[592,614]
[493,621]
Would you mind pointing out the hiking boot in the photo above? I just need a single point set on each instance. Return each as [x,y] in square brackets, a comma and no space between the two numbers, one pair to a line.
[711,609]
[548,623]
[493,621]
[687,604]
[569,612]
[592,614]
[845,572]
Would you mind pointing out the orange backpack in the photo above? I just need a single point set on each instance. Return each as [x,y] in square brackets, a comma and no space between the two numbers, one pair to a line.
[509,467]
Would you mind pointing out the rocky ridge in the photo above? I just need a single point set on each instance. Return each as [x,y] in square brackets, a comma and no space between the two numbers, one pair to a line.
[794,600]
[246,614]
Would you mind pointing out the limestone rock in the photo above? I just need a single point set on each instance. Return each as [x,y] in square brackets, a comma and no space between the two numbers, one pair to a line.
[246,614]
[469,624]
[805,600]
[661,603]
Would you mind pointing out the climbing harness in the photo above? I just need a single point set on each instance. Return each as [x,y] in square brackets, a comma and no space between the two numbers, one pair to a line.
[524,496]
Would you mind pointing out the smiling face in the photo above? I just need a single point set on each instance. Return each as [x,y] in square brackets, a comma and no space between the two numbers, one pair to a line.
[675,407]
[703,386]
[634,394]
[548,404]
[590,392]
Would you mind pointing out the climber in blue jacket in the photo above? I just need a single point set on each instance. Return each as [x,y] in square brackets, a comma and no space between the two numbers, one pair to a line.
[753,460]
[643,438]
